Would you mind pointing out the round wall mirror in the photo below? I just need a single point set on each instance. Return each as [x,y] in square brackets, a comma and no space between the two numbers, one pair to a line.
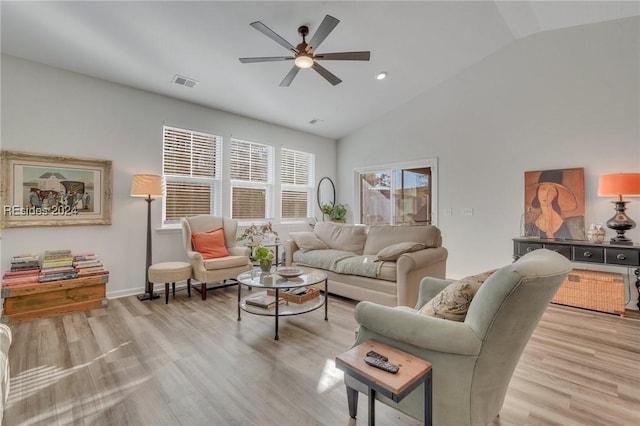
[326,192]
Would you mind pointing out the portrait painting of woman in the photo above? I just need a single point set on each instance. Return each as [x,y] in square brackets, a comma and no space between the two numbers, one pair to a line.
[554,204]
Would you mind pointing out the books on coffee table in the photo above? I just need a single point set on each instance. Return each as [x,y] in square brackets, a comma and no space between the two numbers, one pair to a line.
[262,301]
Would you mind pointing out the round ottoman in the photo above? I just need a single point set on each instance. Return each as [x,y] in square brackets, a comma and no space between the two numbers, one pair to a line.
[170,272]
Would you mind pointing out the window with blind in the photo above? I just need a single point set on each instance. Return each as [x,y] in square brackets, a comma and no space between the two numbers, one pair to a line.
[296,179]
[191,168]
[251,167]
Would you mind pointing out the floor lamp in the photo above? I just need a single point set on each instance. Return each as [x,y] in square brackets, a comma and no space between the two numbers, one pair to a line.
[149,187]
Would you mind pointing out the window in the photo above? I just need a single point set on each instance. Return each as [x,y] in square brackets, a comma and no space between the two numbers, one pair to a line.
[398,194]
[251,180]
[191,168]
[296,179]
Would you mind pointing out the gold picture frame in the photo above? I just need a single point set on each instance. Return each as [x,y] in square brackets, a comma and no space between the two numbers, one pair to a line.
[52,190]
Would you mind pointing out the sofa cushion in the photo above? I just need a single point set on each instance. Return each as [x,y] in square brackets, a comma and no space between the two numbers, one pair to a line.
[383,236]
[321,259]
[308,241]
[365,266]
[394,251]
[342,237]
[225,262]
[453,301]
[388,271]
[210,244]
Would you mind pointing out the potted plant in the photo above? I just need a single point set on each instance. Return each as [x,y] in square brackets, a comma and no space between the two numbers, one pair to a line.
[265,257]
[336,212]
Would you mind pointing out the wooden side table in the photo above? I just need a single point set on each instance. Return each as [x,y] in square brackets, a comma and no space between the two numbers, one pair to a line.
[413,372]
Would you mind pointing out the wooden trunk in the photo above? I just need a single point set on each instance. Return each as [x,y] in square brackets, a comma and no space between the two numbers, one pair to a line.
[41,300]
[596,290]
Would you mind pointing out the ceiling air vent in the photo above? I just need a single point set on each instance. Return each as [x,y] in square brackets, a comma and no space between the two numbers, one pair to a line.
[185,81]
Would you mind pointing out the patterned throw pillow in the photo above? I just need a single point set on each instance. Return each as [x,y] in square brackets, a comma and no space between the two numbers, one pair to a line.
[453,301]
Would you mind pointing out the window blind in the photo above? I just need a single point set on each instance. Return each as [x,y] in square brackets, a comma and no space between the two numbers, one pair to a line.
[251,167]
[191,163]
[296,177]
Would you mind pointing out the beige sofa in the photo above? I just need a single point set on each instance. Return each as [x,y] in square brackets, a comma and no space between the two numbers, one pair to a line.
[381,264]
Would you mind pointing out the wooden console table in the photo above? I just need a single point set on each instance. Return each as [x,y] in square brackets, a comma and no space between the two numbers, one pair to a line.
[585,252]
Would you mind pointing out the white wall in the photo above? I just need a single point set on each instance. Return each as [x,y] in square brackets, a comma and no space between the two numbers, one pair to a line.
[52,111]
[561,99]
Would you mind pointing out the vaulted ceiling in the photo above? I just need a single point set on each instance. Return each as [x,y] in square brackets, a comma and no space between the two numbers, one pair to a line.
[419,44]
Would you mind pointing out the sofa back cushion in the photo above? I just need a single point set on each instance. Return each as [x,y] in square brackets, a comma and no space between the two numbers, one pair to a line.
[342,237]
[383,236]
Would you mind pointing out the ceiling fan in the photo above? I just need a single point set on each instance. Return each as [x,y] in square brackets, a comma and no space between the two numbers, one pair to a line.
[304,55]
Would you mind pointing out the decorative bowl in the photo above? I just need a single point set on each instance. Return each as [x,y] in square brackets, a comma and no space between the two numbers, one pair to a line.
[289,271]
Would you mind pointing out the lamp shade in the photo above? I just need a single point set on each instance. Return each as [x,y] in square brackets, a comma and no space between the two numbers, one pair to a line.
[151,186]
[619,184]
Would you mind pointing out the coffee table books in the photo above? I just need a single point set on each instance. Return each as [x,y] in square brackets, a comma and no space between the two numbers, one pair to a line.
[263,301]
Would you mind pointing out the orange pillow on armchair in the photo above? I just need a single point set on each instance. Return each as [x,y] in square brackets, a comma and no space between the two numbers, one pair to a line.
[210,244]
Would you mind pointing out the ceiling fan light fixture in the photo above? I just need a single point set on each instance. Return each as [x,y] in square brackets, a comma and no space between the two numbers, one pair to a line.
[303,61]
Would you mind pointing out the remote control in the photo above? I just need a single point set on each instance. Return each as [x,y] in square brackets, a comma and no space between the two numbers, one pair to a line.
[382,365]
[374,354]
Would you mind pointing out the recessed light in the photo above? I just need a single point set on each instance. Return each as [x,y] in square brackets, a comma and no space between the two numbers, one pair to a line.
[381,76]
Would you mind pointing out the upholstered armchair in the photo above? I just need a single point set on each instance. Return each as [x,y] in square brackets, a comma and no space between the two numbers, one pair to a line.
[473,360]
[218,268]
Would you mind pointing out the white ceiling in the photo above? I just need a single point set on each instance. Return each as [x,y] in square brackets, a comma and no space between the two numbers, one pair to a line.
[419,43]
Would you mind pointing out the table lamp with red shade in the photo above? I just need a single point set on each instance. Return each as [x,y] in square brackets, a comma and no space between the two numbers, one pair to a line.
[619,185]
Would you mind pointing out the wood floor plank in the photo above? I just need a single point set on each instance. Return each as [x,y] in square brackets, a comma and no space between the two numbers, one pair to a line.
[190,362]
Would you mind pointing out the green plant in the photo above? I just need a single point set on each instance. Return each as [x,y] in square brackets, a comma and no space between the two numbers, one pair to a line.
[263,255]
[337,212]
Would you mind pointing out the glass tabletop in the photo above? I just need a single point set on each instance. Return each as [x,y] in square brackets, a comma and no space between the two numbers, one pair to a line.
[258,278]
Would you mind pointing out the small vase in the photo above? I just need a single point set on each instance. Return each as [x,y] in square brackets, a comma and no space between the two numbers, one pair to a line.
[265,265]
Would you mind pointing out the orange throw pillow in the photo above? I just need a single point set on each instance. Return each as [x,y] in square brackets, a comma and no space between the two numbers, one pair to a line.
[210,244]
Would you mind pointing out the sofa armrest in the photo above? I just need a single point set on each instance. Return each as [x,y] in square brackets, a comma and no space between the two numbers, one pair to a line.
[290,247]
[413,267]
[417,259]
[412,328]
[429,287]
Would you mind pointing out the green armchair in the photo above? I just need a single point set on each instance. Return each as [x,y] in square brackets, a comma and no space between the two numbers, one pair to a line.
[473,361]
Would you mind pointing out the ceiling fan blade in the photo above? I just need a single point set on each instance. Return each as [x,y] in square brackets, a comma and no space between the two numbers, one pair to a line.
[344,56]
[265,59]
[286,82]
[326,26]
[273,36]
[328,75]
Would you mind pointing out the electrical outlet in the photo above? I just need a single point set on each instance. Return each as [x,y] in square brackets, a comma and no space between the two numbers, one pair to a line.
[466,211]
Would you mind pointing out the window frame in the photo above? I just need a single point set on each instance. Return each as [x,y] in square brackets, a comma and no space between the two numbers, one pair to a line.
[431,163]
[308,188]
[268,186]
[215,182]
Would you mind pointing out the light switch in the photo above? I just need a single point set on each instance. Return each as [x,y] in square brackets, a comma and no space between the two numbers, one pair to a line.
[466,211]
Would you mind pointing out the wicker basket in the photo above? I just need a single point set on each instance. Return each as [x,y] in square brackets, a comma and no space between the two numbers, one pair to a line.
[596,290]
[312,293]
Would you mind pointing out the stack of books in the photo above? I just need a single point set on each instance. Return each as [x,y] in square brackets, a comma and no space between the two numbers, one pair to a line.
[263,301]
[25,269]
[57,265]
[88,265]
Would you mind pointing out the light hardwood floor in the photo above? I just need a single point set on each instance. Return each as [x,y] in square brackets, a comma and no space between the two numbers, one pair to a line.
[191,363]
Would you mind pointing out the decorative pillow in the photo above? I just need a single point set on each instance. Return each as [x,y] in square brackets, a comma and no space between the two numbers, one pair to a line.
[308,241]
[453,301]
[393,252]
[210,244]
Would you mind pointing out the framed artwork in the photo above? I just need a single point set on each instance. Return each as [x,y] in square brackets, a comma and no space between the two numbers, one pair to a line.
[49,190]
[554,204]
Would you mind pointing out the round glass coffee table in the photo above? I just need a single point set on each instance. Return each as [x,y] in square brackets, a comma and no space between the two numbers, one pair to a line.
[283,291]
